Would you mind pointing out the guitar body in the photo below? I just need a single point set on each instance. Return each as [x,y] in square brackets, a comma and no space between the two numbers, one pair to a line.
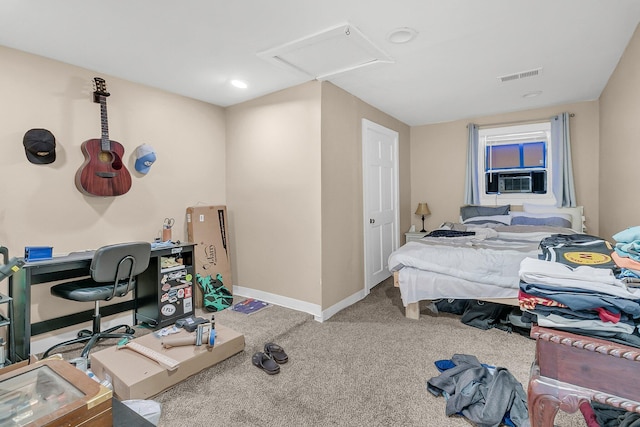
[103,172]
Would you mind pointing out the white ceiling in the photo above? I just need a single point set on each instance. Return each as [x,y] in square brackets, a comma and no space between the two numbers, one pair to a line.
[449,72]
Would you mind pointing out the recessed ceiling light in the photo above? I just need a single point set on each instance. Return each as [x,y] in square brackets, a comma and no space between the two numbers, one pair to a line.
[532,94]
[239,84]
[402,35]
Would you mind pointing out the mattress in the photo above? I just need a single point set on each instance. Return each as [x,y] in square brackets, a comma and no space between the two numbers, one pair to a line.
[485,265]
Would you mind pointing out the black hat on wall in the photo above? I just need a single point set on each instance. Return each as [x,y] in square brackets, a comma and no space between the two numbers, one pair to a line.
[40,146]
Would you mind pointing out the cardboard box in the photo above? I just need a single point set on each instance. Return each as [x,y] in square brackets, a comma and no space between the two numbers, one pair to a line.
[134,376]
[207,228]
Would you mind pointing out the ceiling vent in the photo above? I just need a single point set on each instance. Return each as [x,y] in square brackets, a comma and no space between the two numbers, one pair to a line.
[327,53]
[521,75]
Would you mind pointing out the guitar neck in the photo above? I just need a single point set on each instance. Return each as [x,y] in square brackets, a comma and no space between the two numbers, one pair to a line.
[105,143]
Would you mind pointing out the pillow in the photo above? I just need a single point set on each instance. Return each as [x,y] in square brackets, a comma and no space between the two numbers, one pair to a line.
[493,219]
[552,219]
[576,213]
[475,210]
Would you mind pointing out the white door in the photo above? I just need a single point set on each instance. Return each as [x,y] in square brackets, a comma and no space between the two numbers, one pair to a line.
[380,185]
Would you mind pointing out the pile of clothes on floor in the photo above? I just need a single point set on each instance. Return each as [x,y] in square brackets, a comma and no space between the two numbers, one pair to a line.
[486,395]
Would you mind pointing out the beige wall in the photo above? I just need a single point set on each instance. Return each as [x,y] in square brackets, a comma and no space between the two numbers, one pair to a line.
[605,148]
[40,203]
[273,192]
[342,192]
[438,160]
[296,155]
[263,158]
[620,144]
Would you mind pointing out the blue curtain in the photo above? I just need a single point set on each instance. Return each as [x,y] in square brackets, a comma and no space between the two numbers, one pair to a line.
[562,184]
[471,189]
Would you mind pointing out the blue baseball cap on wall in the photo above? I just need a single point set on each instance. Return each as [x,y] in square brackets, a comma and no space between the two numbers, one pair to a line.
[145,157]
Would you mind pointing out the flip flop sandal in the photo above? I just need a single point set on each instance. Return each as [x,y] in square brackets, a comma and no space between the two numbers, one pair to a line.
[276,352]
[265,363]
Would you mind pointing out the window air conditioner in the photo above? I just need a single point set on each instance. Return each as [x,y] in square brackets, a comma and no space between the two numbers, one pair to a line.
[516,182]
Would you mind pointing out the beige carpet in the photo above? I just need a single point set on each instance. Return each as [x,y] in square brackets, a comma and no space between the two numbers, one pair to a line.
[366,366]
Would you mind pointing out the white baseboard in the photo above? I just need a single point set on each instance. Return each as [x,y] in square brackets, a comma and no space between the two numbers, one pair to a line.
[294,304]
[275,299]
[342,305]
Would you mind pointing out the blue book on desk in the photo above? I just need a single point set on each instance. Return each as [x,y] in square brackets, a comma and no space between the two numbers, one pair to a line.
[35,253]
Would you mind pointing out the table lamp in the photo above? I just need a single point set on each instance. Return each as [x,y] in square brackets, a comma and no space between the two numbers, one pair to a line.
[423,209]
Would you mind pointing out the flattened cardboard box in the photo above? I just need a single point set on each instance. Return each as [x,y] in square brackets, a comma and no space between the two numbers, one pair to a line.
[135,376]
[207,228]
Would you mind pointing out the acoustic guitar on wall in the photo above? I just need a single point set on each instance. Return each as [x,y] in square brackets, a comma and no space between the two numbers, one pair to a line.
[103,173]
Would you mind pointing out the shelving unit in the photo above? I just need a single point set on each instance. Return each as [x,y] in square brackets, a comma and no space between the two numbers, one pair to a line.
[10,356]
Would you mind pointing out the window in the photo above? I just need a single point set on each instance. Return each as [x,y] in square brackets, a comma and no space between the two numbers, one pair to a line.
[524,156]
[515,164]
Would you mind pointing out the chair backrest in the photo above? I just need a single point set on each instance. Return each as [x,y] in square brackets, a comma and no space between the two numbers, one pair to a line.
[120,262]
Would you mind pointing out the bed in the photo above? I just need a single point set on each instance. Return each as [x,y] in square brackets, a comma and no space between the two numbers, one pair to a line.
[480,256]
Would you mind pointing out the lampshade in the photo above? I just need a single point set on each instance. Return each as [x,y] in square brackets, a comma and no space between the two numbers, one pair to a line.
[423,209]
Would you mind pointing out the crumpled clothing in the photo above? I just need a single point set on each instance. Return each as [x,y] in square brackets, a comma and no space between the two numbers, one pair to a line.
[608,416]
[480,393]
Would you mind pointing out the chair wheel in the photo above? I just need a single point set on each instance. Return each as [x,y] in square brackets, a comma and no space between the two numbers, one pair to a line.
[84,333]
[130,330]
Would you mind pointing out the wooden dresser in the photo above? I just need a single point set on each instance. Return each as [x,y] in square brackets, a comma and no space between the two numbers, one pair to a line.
[52,393]
[570,369]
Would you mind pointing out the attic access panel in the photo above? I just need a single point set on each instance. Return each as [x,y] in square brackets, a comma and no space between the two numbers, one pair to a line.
[327,53]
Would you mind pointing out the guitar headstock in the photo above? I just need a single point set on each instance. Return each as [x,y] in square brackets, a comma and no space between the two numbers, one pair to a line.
[100,86]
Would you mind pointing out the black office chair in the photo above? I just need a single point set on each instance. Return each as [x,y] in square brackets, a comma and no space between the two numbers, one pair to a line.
[113,272]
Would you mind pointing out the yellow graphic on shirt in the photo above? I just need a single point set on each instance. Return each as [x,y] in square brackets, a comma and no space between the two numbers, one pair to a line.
[587,258]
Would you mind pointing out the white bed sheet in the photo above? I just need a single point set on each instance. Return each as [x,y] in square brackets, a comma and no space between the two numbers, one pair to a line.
[473,267]
[419,285]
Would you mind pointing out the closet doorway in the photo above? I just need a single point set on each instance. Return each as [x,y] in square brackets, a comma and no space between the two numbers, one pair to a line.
[381,205]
